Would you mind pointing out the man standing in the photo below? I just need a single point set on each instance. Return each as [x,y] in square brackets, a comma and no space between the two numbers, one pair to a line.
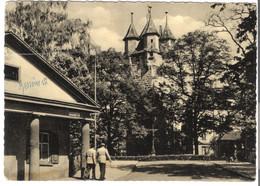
[102,154]
[91,163]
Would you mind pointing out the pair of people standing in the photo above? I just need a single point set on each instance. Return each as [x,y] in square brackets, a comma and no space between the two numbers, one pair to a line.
[101,155]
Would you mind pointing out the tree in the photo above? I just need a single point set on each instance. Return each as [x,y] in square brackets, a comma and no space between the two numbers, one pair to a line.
[117,95]
[63,42]
[239,22]
[192,70]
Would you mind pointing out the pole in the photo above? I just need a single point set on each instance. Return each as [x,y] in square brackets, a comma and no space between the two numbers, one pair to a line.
[153,149]
[95,98]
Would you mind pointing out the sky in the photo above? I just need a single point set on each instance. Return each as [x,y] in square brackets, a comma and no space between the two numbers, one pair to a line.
[111,20]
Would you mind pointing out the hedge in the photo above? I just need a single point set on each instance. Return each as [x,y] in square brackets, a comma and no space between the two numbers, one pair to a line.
[165,157]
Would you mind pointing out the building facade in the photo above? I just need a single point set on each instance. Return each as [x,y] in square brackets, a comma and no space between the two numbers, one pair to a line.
[39,104]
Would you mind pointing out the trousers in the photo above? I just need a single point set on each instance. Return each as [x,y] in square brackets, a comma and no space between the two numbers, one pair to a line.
[88,171]
[102,167]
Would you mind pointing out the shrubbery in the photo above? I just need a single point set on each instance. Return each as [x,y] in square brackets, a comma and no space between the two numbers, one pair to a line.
[165,157]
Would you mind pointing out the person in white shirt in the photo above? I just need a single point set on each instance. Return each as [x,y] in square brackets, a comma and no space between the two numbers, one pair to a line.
[102,154]
[91,163]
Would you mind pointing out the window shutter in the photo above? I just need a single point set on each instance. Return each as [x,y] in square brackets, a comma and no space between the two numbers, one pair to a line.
[54,148]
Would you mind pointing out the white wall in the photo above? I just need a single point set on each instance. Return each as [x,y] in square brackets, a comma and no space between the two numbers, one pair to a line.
[148,44]
[42,87]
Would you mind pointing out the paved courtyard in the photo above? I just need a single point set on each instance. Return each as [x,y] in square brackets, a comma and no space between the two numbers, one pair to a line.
[176,171]
[186,171]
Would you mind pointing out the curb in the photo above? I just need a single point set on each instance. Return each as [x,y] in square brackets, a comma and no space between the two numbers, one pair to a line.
[239,174]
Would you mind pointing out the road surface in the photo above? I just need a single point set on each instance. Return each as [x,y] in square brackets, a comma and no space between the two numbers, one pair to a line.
[180,171]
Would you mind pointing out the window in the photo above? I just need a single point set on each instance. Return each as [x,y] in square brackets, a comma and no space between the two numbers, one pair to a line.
[11,73]
[152,43]
[44,147]
[49,148]
[204,151]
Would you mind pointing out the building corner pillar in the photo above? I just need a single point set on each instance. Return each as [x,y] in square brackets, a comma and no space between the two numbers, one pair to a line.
[85,147]
[34,166]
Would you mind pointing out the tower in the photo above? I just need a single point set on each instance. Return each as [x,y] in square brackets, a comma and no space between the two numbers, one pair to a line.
[167,39]
[150,35]
[131,39]
[150,46]
[144,51]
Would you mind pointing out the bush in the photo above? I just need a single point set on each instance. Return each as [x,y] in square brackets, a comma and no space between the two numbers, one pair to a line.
[164,157]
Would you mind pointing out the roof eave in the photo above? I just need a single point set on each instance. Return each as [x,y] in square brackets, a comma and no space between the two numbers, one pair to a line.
[151,33]
[167,38]
[131,38]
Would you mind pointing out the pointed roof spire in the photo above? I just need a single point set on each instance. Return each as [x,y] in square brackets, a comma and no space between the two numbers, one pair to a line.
[132,18]
[131,33]
[167,33]
[149,12]
[149,27]
[166,18]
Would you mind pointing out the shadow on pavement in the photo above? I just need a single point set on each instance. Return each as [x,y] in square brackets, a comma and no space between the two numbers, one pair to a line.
[124,167]
[199,172]
[245,170]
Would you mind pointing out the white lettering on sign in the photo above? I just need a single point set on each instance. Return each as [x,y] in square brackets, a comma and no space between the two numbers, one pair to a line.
[74,114]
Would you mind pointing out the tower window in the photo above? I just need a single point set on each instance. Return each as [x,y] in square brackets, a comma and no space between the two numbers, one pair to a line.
[151,40]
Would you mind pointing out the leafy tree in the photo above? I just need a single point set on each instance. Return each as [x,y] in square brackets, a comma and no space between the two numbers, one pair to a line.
[192,71]
[117,94]
[239,22]
[65,43]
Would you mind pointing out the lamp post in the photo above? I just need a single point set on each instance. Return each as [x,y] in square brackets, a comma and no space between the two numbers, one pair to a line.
[153,152]
[153,149]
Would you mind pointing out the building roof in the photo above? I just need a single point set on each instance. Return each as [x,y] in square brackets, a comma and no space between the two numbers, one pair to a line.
[149,27]
[231,136]
[167,33]
[131,33]
[23,49]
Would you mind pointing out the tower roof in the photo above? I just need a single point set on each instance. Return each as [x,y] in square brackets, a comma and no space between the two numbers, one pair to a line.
[131,33]
[149,27]
[167,33]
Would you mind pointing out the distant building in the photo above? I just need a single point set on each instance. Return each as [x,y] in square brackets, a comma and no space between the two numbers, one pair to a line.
[39,103]
[229,144]
[145,50]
